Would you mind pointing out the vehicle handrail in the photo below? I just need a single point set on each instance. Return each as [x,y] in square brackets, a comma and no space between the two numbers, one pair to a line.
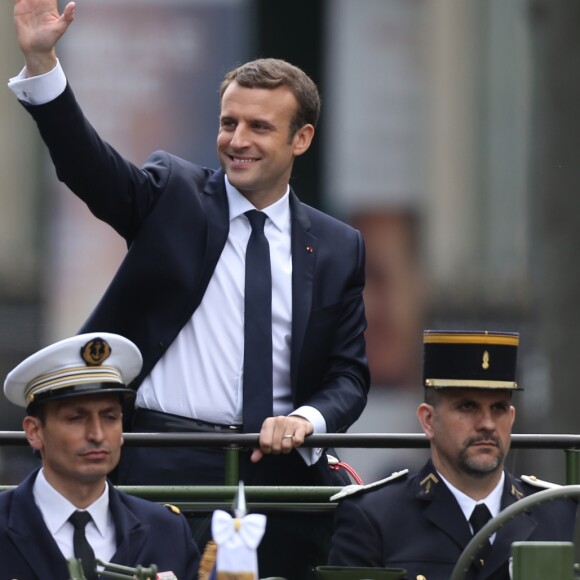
[345,440]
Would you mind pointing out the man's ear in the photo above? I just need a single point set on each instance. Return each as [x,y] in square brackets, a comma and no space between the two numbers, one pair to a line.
[425,414]
[33,429]
[302,139]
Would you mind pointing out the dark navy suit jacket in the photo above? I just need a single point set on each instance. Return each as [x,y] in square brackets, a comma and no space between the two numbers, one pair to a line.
[417,524]
[147,533]
[174,216]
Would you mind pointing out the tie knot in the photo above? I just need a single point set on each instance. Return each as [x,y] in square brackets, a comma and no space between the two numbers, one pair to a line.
[80,519]
[257,219]
[479,517]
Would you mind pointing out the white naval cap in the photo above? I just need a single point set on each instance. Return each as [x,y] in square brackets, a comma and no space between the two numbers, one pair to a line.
[84,364]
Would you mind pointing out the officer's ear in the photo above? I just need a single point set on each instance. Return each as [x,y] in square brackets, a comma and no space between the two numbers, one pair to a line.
[33,428]
[425,416]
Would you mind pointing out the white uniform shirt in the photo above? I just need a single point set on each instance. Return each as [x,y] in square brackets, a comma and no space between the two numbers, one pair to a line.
[56,510]
[467,504]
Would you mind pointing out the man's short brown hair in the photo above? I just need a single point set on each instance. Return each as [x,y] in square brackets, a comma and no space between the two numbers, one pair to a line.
[271,73]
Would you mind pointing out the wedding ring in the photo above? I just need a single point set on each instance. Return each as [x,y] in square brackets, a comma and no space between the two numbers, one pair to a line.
[287,436]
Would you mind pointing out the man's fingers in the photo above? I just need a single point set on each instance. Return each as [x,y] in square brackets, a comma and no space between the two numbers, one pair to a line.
[68,14]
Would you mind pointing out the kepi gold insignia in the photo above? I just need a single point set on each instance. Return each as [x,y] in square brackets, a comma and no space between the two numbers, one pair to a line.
[485,361]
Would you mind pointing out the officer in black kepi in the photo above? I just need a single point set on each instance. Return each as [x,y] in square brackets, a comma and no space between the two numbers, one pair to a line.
[423,522]
[73,392]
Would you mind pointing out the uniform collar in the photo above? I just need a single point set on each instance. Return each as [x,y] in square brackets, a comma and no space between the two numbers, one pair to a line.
[56,509]
[467,504]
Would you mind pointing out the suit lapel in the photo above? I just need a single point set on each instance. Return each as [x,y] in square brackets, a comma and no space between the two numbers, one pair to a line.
[304,252]
[215,203]
[444,512]
[131,534]
[441,507]
[28,532]
[515,530]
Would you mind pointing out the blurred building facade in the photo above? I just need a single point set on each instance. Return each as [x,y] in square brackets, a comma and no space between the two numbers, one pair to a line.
[428,143]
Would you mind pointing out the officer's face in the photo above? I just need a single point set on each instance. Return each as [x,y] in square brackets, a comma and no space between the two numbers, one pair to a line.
[79,439]
[469,430]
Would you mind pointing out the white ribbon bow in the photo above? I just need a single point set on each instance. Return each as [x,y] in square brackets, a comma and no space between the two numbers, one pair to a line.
[249,529]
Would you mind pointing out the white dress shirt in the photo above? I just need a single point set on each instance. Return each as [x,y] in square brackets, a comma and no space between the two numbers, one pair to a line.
[467,504]
[56,510]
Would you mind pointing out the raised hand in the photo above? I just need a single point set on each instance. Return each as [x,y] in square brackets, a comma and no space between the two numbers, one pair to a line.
[39,26]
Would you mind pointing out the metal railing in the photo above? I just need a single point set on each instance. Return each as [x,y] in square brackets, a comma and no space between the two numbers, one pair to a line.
[312,498]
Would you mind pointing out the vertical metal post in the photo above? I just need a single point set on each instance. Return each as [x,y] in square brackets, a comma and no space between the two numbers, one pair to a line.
[572,467]
[232,465]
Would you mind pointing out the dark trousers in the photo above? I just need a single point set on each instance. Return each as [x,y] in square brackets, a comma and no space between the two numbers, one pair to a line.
[293,543]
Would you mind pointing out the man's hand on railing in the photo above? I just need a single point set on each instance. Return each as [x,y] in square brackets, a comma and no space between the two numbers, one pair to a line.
[281,435]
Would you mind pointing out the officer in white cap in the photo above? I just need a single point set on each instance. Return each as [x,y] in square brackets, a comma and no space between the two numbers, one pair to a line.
[73,392]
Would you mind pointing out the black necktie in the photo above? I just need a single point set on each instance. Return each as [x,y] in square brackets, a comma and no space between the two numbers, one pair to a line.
[257,327]
[82,548]
[479,517]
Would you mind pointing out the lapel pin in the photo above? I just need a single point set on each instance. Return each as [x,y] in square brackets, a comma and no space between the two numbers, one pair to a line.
[309,249]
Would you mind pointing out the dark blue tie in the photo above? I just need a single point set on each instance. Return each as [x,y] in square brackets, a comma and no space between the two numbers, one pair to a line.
[479,517]
[81,546]
[257,327]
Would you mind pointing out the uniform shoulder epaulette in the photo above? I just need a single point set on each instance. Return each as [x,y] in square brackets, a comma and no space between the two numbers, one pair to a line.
[172,508]
[533,480]
[356,489]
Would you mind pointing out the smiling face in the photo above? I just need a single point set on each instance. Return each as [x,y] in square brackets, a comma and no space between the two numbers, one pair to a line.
[79,439]
[469,431]
[255,146]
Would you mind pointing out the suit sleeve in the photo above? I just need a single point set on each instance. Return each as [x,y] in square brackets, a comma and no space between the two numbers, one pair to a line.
[190,551]
[115,190]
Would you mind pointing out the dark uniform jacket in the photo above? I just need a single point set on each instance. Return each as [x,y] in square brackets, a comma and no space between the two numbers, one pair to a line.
[174,217]
[147,533]
[416,523]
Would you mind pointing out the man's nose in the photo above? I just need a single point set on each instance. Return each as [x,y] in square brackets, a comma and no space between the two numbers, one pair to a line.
[95,430]
[486,420]
[240,137]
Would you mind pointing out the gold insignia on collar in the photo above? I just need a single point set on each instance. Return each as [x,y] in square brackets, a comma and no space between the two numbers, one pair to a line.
[428,481]
[517,493]
[95,352]
[485,361]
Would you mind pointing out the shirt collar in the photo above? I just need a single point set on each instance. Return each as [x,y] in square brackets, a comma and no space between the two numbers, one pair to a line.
[278,212]
[56,509]
[467,504]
